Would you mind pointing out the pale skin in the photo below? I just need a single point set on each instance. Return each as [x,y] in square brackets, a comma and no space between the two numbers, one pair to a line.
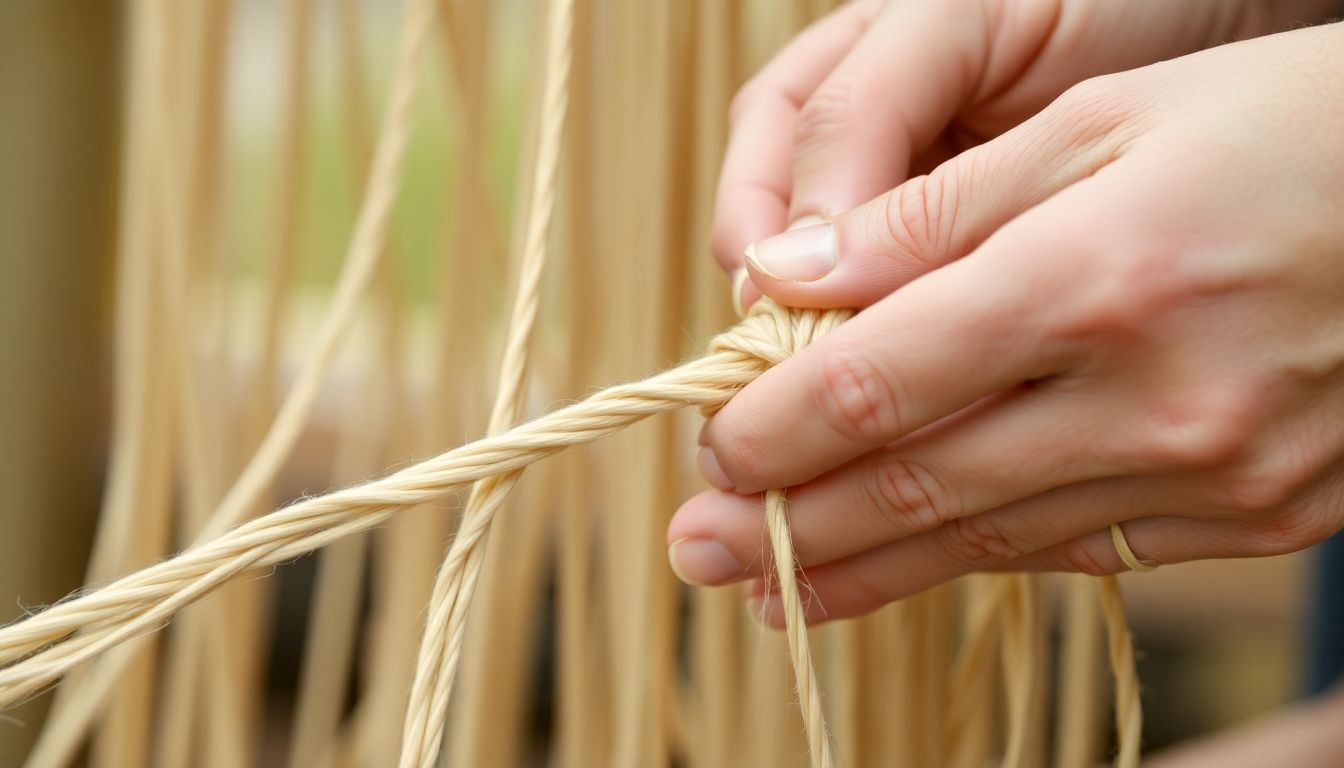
[1095,290]
[1122,307]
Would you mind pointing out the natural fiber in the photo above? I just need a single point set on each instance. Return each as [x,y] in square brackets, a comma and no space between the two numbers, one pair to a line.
[455,584]
[648,106]
[44,647]
[1128,707]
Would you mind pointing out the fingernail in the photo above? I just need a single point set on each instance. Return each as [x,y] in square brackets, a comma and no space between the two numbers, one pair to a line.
[810,220]
[739,280]
[702,561]
[710,469]
[798,256]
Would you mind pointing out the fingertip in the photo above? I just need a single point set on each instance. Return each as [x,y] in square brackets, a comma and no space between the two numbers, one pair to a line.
[734,522]
[711,470]
[819,263]
[703,562]
[689,521]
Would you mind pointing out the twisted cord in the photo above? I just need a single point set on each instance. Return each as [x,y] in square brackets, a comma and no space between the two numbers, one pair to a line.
[807,327]
[79,629]
[1128,707]
[795,626]
[455,583]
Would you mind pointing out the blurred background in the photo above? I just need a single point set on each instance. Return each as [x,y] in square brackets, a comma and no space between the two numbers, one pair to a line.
[1218,642]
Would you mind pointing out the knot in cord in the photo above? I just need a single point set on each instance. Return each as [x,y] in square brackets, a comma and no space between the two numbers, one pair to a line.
[772,333]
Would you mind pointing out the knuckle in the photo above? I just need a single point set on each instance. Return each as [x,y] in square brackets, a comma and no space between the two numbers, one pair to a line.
[907,497]
[1290,532]
[1120,293]
[1092,108]
[855,398]
[978,541]
[833,109]
[914,219]
[1079,557]
[1266,486]
[1206,432]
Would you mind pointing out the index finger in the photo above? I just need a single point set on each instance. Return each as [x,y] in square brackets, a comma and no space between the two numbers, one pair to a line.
[755,181]
[926,351]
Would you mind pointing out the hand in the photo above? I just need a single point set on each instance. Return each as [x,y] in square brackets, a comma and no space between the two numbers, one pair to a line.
[1307,734]
[1154,338]
[879,91]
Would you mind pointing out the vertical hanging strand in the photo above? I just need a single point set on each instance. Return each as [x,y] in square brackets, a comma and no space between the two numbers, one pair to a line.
[969,734]
[407,552]
[1078,732]
[795,625]
[629,317]
[489,723]
[714,700]
[575,743]
[1019,657]
[1128,708]
[484,719]
[199,478]
[364,248]
[227,693]
[325,675]
[455,584]
[134,524]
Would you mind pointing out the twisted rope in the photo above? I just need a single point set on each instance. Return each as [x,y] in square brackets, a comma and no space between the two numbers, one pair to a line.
[795,626]
[807,327]
[42,648]
[455,583]
[1128,707]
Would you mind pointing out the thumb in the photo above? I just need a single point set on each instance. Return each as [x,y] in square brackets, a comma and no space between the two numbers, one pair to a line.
[857,257]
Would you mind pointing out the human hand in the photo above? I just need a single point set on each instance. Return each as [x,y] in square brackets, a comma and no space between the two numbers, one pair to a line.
[880,91]
[1307,734]
[1154,338]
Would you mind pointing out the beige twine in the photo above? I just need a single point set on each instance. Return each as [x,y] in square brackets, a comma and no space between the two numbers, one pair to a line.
[1128,707]
[455,583]
[39,650]
[806,327]
[42,648]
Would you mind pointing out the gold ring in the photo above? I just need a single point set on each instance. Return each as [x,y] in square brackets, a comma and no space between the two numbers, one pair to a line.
[1123,549]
